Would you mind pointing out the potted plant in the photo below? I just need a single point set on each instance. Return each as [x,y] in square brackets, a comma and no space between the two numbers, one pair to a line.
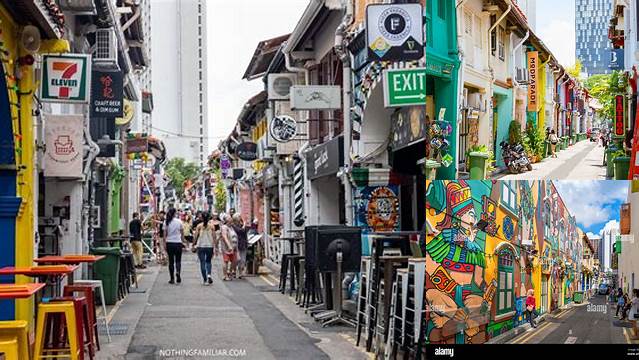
[534,143]
[480,160]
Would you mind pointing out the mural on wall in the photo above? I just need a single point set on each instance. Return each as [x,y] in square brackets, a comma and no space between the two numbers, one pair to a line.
[488,242]
[377,208]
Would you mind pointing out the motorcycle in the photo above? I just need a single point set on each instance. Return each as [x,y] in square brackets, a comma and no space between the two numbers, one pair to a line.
[515,158]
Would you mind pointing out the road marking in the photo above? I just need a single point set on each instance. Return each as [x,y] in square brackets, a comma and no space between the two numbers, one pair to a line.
[571,340]
[529,335]
[564,313]
[266,280]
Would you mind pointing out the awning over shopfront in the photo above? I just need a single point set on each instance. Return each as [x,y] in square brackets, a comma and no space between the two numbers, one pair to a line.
[325,159]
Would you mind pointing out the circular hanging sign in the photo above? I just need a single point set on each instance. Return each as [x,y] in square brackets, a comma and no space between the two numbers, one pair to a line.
[383,209]
[247,151]
[283,128]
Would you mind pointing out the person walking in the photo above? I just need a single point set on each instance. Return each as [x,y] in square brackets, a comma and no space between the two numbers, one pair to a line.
[531,310]
[621,302]
[174,243]
[204,241]
[242,244]
[188,230]
[633,315]
[135,231]
[554,140]
[229,246]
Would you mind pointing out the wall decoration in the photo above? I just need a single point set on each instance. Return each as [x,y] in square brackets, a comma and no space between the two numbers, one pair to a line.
[508,228]
[489,215]
[377,208]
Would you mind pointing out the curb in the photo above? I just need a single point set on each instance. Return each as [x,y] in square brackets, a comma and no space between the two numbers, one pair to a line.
[513,333]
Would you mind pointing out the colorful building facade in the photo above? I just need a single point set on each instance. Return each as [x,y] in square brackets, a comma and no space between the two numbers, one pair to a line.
[487,244]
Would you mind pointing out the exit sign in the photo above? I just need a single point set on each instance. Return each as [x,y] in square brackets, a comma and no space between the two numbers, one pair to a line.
[404,87]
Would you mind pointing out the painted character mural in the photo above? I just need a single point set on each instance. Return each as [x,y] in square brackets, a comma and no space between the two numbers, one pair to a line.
[458,300]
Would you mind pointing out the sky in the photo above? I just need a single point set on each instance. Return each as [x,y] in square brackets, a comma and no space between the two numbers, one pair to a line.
[595,203]
[234,30]
[556,28]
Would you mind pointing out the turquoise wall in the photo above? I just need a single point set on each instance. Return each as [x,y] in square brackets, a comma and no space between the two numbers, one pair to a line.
[505,116]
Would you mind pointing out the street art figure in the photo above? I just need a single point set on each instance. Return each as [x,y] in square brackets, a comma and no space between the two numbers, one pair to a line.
[459,299]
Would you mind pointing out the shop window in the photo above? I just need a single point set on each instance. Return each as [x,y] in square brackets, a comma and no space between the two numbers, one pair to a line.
[506,289]
[493,35]
[509,195]
[502,44]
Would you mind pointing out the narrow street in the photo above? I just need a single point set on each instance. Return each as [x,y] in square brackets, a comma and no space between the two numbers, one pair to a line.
[246,318]
[587,323]
[582,161]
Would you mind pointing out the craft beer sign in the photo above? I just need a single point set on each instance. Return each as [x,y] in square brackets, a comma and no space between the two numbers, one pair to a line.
[65,78]
[533,65]
[620,128]
[395,32]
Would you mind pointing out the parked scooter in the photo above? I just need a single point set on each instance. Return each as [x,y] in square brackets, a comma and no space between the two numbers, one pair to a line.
[515,158]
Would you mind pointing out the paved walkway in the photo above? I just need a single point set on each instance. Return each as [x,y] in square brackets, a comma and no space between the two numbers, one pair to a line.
[246,319]
[582,161]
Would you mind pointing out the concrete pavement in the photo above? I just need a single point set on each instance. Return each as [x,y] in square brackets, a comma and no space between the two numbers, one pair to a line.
[582,161]
[239,319]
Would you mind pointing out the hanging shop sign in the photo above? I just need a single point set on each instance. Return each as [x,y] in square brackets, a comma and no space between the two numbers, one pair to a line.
[247,151]
[283,128]
[616,59]
[65,78]
[408,127]
[225,165]
[63,138]
[316,97]
[404,87]
[136,145]
[395,32]
[533,65]
[620,126]
[129,112]
[325,159]
[107,94]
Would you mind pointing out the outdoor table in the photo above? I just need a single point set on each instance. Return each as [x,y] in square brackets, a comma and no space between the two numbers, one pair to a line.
[55,272]
[19,291]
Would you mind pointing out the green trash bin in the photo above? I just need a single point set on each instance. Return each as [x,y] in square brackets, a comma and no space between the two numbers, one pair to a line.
[108,270]
[622,166]
[478,165]
[610,165]
[578,297]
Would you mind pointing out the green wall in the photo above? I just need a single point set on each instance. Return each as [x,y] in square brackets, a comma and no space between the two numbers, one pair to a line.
[505,116]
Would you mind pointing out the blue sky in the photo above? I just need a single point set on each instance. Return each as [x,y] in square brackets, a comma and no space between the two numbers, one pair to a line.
[556,27]
[595,204]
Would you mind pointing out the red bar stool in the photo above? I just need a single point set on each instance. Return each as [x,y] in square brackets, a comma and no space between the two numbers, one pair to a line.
[85,337]
[86,290]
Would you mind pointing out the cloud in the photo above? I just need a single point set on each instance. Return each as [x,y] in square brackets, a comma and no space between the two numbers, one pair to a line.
[593,202]
[610,225]
[592,235]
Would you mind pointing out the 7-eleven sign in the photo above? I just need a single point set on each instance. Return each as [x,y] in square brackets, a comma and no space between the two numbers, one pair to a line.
[65,78]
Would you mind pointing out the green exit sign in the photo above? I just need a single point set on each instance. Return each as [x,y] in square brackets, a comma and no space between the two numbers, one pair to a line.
[404,87]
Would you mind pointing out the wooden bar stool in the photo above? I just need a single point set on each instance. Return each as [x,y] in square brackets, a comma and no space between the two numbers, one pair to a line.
[86,290]
[20,330]
[9,346]
[84,330]
[103,317]
[46,313]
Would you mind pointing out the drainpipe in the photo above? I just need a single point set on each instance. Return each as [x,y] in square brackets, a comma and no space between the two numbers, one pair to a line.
[342,52]
[559,91]
[514,67]
[291,68]
[490,58]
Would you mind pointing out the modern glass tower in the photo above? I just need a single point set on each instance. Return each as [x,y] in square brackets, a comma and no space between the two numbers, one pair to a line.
[592,18]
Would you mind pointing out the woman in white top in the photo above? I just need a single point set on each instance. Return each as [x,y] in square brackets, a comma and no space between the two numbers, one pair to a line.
[204,241]
[174,242]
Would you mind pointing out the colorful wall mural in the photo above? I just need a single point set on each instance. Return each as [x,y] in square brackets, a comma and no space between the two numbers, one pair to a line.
[487,243]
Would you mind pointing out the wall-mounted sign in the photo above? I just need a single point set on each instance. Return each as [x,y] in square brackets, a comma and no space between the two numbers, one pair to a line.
[616,59]
[247,151]
[129,112]
[395,32]
[316,97]
[283,128]
[377,208]
[533,65]
[107,94]
[325,159]
[63,138]
[225,165]
[404,87]
[408,127]
[65,78]
[137,145]
[620,126]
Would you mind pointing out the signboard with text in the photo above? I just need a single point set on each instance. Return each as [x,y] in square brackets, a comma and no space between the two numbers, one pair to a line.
[404,87]
[533,66]
[620,126]
[316,97]
[616,59]
[395,32]
[107,94]
[64,146]
[65,78]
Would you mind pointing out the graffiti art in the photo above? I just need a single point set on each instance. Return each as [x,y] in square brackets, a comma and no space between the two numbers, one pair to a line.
[377,208]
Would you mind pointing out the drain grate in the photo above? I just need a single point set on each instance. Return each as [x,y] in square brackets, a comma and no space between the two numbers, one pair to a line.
[114,329]
[137,291]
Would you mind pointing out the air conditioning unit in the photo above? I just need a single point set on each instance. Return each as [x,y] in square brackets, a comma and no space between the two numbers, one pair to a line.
[521,76]
[279,86]
[79,7]
[106,47]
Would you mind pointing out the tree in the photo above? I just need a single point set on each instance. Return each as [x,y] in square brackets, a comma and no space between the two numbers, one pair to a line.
[179,171]
[604,88]
[575,70]
[220,192]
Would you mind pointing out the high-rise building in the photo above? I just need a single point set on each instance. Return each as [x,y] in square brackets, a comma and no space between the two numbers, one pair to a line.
[180,114]
[592,18]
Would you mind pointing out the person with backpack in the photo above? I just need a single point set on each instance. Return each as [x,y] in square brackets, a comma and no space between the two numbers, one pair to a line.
[554,140]
[174,242]
[204,241]
[228,247]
